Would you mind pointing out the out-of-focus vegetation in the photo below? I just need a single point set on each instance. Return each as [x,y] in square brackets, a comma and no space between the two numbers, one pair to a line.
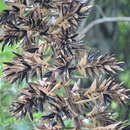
[107,37]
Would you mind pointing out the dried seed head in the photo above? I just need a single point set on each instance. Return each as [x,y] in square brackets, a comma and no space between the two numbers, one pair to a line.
[94,65]
[47,33]
[25,66]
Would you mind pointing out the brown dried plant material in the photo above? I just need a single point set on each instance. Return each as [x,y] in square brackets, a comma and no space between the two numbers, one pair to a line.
[107,90]
[51,61]
[71,14]
[26,65]
[92,65]
[32,99]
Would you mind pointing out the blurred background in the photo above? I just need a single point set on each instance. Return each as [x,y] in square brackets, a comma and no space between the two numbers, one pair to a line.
[112,38]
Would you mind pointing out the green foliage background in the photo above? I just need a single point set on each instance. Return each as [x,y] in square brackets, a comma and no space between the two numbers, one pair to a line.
[111,38]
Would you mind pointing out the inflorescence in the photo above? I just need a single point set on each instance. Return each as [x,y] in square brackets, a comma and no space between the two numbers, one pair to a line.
[53,59]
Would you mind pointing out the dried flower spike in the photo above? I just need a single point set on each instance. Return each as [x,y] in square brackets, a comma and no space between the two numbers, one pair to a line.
[51,62]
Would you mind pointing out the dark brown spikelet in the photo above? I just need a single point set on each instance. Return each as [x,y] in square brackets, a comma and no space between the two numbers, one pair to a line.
[13,35]
[32,99]
[93,65]
[107,91]
[9,15]
[51,62]
[25,66]
[64,45]
[71,13]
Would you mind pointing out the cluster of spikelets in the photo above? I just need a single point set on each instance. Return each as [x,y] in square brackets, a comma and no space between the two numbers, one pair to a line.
[53,59]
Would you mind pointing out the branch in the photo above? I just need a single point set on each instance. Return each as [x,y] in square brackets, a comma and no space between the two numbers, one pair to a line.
[100,21]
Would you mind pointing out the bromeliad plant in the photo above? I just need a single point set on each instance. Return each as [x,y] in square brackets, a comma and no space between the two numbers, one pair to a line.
[53,61]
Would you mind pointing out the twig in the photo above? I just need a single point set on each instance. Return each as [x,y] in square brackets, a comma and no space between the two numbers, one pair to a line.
[100,21]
